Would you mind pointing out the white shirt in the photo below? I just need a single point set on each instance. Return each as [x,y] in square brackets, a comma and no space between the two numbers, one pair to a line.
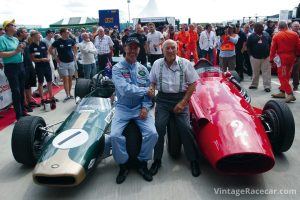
[103,44]
[171,76]
[207,40]
[88,52]
[48,42]
[154,38]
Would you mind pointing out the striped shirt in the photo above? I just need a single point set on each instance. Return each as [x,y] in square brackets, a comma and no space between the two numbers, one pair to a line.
[103,44]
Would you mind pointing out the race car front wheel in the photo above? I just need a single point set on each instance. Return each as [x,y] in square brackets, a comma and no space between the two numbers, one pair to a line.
[281,125]
[26,142]
[173,139]
[82,87]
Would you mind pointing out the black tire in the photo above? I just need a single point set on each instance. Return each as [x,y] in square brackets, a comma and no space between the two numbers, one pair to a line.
[281,121]
[26,134]
[82,87]
[173,139]
[133,140]
[236,76]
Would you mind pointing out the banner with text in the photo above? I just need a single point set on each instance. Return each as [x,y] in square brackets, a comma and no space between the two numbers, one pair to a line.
[5,92]
[109,18]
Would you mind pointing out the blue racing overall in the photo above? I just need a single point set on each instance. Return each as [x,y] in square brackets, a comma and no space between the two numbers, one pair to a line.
[132,83]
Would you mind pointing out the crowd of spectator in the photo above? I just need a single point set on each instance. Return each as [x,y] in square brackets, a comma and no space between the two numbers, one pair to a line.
[242,47]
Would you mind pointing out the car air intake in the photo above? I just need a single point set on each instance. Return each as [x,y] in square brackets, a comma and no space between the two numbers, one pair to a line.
[250,163]
[55,181]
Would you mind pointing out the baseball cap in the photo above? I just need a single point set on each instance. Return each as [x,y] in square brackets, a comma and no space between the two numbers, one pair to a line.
[132,40]
[7,22]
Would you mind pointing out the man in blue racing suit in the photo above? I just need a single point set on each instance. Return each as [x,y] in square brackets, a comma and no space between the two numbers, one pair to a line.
[131,80]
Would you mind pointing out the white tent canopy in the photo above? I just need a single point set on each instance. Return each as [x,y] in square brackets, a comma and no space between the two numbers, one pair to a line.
[150,10]
[151,13]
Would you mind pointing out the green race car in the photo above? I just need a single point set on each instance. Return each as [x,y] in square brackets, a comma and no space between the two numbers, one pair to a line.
[65,157]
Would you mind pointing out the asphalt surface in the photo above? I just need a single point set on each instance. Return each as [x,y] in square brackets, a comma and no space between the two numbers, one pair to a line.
[173,181]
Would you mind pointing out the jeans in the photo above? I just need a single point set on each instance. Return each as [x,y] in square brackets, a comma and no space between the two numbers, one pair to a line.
[89,70]
[102,61]
[15,73]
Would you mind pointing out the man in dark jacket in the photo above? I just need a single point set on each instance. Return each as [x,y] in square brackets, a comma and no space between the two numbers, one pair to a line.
[258,47]
[240,47]
[142,58]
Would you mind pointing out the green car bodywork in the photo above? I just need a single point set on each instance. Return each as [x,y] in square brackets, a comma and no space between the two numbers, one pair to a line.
[78,144]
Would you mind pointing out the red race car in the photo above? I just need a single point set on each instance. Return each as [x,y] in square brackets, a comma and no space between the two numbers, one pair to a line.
[235,137]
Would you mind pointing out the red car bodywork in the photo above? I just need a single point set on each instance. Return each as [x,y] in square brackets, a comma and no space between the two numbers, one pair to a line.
[228,130]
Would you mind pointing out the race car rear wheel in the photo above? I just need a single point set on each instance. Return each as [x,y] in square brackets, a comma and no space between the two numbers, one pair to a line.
[82,87]
[282,125]
[26,142]
[173,139]
[133,140]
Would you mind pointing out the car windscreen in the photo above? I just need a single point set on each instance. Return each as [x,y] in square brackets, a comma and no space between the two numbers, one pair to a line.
[212,69]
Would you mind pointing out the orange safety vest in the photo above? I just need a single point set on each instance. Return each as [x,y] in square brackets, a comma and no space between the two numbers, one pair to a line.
[227,45]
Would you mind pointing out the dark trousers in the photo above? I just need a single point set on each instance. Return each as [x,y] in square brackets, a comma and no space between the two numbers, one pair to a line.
[164,108]
[247,63]
[153,57]
[240,64]
[142,59]
[15,73]
[116,51]
[218,58]
[102,61]
[210,54]
[295,73]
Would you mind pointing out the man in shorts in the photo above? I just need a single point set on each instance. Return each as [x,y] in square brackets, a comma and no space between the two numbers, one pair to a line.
[40,56]
[67,52]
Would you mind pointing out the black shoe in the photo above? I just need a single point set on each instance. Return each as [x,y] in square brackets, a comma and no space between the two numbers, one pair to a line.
[252,87]
[144,172]
[122,174]
[155,166]
[28,108]
[267,90]
[195,168]
[33,104]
